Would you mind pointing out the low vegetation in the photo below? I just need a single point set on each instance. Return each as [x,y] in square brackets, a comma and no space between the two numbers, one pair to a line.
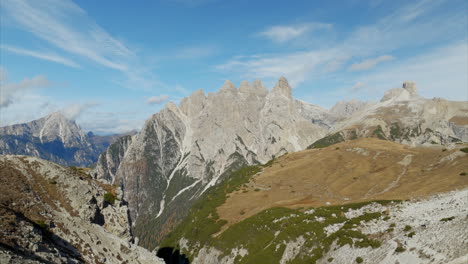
[447,219]
[272,228]
[327,141]
[109,197]
[464,150]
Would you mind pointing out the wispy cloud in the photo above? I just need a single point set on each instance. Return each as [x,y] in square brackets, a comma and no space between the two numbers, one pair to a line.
[369,63]
[66,27]
[281,33]
[41,55]
[157,99]
[73,111]
[411,26]
[441,71]
[10,92]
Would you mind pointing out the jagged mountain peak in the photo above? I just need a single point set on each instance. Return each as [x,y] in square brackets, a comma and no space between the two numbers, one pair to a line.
[282,87]
[228,87]
[410,86]
[406,93]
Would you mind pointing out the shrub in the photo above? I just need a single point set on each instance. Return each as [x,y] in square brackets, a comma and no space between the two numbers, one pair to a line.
[407,228]
[392,225]
[386,218]
[447,219]
[400,249]
[109,197]
[464,150]
[359,260]
[463,174]
[41,224]
[390,230]
[257,189]
[330,259]
[411,234]
[52,182]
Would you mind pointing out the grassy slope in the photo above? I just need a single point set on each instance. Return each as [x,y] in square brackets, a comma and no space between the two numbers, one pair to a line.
[204,226]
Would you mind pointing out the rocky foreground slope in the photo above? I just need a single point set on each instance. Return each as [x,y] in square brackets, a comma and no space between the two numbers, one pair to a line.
[367,199]
[184,150]
[51,214]
[54,138]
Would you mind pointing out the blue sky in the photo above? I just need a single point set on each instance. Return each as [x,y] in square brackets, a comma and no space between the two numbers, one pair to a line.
[111,64]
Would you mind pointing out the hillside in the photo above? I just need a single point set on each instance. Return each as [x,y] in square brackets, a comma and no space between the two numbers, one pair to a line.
[301,205]
[52,214]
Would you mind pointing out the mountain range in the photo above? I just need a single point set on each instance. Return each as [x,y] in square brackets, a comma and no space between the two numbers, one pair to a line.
[200,174]
[54,138]
[184,150]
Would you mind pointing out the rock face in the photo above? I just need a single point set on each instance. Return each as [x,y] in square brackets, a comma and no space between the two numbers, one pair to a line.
[51,214]
[53,138]
[405,117]
[344,109]
[184,150]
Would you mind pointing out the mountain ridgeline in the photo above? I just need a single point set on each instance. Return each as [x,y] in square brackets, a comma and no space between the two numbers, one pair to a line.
[182,151]
[54,138]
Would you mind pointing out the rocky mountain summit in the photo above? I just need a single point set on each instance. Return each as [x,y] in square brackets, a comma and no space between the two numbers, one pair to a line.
[184,150]
[53,138]
[52,214]
[405,117]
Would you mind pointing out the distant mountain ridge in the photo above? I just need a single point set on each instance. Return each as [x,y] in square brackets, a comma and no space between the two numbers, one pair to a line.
[184,150]
[54,138]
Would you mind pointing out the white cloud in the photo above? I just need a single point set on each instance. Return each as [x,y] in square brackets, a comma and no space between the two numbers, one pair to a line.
[73,111]
[283,34]
[439,72]
[358,86]
[369,63]
[157,99]
[412,26]
[41,55]
[11,92]
[67,27]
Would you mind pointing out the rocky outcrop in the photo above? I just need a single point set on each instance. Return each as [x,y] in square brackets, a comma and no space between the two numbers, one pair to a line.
[405,117]
[53,138]
[50,214]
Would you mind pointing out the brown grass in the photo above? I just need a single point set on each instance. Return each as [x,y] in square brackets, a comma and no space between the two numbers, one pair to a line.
[319,177]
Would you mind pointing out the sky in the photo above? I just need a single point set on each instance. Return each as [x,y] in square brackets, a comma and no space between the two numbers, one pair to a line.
[110,65]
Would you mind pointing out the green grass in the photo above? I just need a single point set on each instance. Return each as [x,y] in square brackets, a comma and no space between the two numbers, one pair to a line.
[257,233]
[109,197]
[400,249]
[327,141]
[41,224]
[447,219]
[378,132]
